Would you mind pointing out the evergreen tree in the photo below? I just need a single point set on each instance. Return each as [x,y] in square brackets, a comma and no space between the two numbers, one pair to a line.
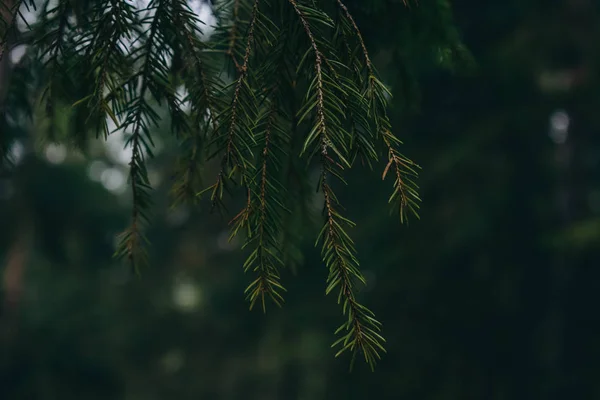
[280,88]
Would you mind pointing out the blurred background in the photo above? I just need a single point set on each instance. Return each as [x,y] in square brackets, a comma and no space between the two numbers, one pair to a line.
[493,294]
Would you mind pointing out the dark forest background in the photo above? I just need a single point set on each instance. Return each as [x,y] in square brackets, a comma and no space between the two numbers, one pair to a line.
[493,294]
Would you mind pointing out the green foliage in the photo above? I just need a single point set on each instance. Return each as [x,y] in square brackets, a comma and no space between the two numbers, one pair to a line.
[272,72]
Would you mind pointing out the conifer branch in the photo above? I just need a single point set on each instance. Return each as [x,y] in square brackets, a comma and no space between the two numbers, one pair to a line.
[196,79]
[55,50]
[405,189]
[139,113]
[233,36]
[318,72]
[265,221]
[107,57]
[358,35]
[252,125]
[261,215]
[338,252]
[233,158]
[361,328]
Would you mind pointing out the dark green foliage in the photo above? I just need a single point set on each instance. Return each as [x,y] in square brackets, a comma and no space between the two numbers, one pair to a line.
[278,82]
[492,295]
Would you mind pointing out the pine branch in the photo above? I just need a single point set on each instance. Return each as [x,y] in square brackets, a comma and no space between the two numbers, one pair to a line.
[233,35]
[237,116]
[338,252]
[138,114]
[56,52]
[233,19]
[198,80]
[264,220]
[280,51]
[262,215]
[105,50]
[405,189]
[362,330]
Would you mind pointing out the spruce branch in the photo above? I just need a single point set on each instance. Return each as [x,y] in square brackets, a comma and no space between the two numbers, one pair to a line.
[56,52]
[264,219]
[239,115]
[405,189]
[201,83]
[261,216]
[361,329]
[256,125]
[233,35]
[198,74]
[139,114]
[108,61]
[358,34]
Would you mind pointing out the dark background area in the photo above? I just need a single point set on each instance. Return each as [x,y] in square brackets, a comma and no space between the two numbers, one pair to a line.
[493,294]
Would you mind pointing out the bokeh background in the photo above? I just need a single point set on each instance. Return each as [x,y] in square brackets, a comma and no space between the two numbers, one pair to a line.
[493,294]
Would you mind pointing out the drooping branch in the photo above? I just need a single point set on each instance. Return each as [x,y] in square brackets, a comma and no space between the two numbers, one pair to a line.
[265,220]
[105,51]
[138,115]
[233,158]
[200,81]
[233,35]
[405,189]
[361,328]
[252,125]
